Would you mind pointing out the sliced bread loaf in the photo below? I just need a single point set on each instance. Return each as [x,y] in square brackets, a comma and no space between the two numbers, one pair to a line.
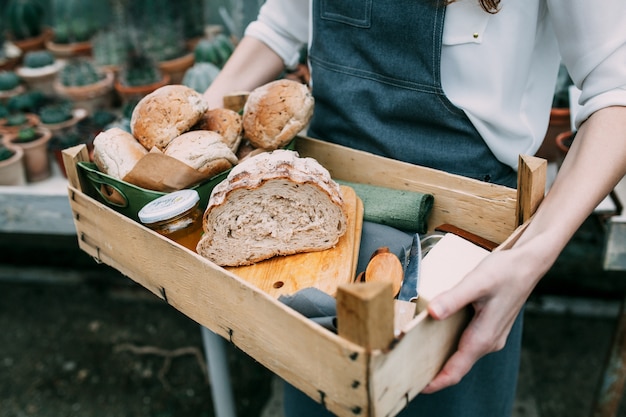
[274,203]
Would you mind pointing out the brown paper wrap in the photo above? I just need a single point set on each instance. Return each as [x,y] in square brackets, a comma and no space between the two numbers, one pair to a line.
[159,172]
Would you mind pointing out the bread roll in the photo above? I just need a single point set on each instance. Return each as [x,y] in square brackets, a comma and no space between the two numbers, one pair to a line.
[274,203]
[116,152]
[165,114]
[202,150]
[225,122]
[276,112]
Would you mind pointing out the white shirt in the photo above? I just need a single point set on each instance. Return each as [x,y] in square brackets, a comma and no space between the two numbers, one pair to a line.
[501,68]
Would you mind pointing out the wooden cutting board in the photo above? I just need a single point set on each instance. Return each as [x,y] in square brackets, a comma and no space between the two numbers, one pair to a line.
[325,270]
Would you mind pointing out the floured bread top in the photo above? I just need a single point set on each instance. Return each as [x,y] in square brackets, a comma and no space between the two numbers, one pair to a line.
[252,172]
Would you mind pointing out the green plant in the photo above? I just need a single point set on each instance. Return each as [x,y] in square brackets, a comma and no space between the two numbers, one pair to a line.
[75,20]
[9,80]
[54,113]
[215,50]
[139,69]
[16,119]
[5,152]
[27,134]
[110,48]
[27,102]
[38,59]
[80,72]
[25,18]
[200,76]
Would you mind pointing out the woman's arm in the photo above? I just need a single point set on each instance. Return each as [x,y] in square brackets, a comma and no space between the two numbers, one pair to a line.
[500,285]
[252,64]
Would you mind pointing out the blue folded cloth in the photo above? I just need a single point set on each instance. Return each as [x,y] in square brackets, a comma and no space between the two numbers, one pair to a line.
[322,307]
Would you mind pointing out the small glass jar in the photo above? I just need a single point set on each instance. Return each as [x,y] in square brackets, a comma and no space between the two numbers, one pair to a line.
[175,215]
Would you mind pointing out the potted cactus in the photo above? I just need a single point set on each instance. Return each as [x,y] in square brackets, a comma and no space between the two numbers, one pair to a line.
[200,76]
[60,117]
[26,24]
[12,165]
[215,50]
[10,85]
[39,70]
[139,76]
[86,85]
[75,22]
[10,55]
[33,140]
[14,121]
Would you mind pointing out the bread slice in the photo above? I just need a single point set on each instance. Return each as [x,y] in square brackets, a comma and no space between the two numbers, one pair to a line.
[274,203]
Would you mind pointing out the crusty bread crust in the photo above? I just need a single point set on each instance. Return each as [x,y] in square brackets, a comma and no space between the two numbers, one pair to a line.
[272,204]
[202,150]
[116,152]
[226,122]
[165,114]
[276,112]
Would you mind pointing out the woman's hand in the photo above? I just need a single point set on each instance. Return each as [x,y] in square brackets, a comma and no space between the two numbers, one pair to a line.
[499,286]
[496,298]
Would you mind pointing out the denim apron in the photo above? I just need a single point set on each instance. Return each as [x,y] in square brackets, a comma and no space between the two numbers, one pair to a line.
[375,66]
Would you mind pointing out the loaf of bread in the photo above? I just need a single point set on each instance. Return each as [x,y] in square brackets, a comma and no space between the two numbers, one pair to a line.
[226,122]
[116,152]
[202,150]
[165,114]
[274,203]
[276,112]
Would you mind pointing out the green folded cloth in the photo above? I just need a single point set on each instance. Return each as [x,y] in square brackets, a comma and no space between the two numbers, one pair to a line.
[404,210]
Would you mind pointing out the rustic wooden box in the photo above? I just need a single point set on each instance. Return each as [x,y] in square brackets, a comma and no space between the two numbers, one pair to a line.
[349,378]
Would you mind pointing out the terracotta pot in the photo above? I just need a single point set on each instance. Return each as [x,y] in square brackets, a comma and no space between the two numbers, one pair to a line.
[177,67]
[62,127]
[36,158]
[563,141]
[32,120]
[34,44]
[129,93]
[5,96]
[89,97]
[40,79]
[12,170]
[559,123]
[68,50]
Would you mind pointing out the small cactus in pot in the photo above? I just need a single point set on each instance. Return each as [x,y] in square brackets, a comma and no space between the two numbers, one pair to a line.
[86,85]
[25,20]
[39,69]
[10,85]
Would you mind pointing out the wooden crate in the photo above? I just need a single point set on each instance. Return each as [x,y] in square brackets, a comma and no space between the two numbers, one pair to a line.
[349,378]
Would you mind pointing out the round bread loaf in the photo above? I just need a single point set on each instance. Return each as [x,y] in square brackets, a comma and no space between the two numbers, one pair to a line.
[274,203]
[165,114]
[226,122]
[202,150]
[116,152]
[276,112]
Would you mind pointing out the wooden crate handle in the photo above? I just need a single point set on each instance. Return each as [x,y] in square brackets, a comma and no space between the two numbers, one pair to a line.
[71,157]
[365,314]
[531,186]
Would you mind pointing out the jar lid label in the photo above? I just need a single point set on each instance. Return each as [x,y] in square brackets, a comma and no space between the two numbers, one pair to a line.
[168,206]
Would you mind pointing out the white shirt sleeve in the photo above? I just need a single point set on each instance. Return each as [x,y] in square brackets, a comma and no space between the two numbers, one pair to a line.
[592,42]
[283,25]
